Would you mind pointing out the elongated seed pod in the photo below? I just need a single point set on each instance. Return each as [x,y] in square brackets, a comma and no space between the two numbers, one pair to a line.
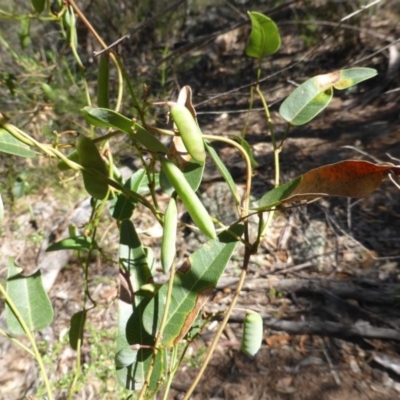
[103,78]
[90,158]
[168,243]
[192,203]
[189,131]
[252,333]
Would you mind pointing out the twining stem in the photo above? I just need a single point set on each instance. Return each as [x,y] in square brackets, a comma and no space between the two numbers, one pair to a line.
[31,339]
[277,149]
[246,197]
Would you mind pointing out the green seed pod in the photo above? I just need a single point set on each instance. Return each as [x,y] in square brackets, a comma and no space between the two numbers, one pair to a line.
[252,333]
[24,32]
[90,158]
[48,91]
[189,131]
[168,244]
[38,5]
[193,205]
[74,156]
[103,81]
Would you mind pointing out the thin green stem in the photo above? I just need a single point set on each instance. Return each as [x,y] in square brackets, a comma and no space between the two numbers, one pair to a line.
[17,342]
[246,196]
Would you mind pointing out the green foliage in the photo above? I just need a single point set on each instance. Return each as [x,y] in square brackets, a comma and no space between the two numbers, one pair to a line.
[28,307]
[155,319]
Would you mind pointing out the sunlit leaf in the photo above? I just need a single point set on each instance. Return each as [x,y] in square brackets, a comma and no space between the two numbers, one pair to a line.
[312,96]
[9,144]
[305,102]
[105,118]
[343,179]
[264,37]
[30,299]
[353,76]
[73,243]
[122,208]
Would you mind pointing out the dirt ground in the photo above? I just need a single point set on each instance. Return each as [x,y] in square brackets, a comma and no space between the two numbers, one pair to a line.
[326,279]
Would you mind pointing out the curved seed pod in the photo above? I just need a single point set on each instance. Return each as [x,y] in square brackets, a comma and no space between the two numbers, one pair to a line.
[189,131]
[90,158]
[252,333]
[103,82]
[192,203]
[168,244]
[38,5]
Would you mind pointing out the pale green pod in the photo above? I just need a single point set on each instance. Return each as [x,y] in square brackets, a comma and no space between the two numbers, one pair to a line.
[90,158]
[189,131]
[252,333]
[192,203]
[168,243]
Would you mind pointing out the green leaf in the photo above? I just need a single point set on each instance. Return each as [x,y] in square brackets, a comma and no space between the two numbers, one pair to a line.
[76,329]
[312,96]
[244,143]
[73,156]
[191,287]
[29,298]
[122,208]
[276,195]
[353,76]
[38,5]
[305,102]
[264,37]
[132,365]
[132,258]
[146,139]
[224,172]
[10,145]
[95,170]
[105,118]
[73,243]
